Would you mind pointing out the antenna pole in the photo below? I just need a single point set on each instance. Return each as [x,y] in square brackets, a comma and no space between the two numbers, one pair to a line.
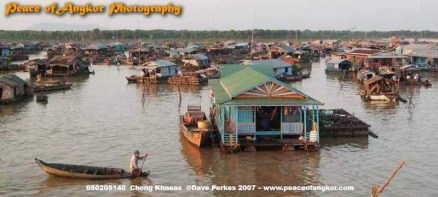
[252,36]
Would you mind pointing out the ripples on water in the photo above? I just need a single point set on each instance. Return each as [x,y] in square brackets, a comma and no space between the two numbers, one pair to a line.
[102,119]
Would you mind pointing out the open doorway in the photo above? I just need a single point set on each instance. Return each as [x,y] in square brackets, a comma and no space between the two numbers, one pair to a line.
[268,119]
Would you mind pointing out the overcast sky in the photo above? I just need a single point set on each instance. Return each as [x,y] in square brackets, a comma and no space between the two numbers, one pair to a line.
[366,15]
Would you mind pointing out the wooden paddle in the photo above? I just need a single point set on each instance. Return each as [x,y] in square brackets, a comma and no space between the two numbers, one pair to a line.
[144,159]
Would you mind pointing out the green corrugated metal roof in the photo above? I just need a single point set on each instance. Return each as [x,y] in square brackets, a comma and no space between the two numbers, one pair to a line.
[242,81]
[273,102]
[237,79]
[228,69]
[219,93]
[264,69]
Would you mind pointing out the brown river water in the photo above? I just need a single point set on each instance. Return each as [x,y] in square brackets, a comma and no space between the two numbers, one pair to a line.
[102,120]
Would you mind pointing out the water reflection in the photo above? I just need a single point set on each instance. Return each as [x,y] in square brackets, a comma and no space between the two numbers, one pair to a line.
[199,159]
[139,183]
[358,142]
[272,168]
[341,76]
[11,109]
[154,89]
[75,79]
[266,168]
[380,105]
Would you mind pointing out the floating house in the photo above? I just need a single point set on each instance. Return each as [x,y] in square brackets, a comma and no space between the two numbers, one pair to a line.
[287,58]
[4,51]
[378,88]
[218,51]
[96,49]
[117,46]
[338,65]
[18,49]
[358,55]
[18,53]
[425,57]
[253,109]
[278,67]
[137,55]
[301,55]
[66,66]
[199,60]
[277,52]
[420,53]
[159,70]
[33,46]
[385,59]
[241,46]
[182,51]
[337,55]
[13,88]
[36,67]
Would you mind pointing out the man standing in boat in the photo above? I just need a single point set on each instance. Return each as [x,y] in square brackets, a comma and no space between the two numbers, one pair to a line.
[133,166]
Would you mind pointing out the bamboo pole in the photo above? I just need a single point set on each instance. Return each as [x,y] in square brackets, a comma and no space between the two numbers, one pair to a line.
[379,189]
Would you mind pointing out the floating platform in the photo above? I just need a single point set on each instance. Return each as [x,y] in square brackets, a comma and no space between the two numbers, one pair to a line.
[340,123]
[267,143]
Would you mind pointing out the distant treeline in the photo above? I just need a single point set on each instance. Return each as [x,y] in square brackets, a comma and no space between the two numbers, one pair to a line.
[190,35]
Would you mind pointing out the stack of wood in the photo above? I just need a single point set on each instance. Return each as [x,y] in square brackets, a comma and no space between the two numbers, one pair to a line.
[189,68]
[184,79]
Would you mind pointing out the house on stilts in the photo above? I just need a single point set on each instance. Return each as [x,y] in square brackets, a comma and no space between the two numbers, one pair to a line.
[252,109]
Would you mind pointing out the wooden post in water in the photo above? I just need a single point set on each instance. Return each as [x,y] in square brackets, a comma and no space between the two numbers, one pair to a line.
[379,189]
[179,103]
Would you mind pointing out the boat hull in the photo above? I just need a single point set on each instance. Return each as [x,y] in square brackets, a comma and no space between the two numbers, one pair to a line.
[70,171]
[52,87]
[197,138]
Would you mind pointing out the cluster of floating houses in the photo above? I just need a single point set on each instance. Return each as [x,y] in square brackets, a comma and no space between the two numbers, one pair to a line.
[253,101]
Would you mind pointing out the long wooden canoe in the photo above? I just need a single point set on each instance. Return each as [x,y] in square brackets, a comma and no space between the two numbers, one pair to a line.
[84,172]
[52,87]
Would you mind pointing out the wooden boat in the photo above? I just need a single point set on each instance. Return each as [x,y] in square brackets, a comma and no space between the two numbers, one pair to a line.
[427,83]
[132,78]
[305,75]
[379,89]
[195,126]
[52,86]
[294,77]
[84,172]
[290,78]
[41,98]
